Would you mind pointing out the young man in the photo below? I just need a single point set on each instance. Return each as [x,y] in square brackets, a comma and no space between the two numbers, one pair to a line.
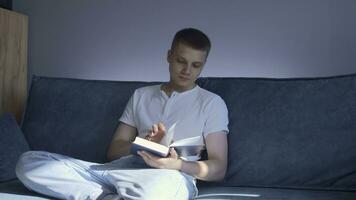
[180,106]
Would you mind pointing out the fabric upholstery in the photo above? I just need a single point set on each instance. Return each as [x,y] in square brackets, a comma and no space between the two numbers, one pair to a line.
[75,117]
[255,193]
[297,133]
[13,190]
[287,136]
[13,144]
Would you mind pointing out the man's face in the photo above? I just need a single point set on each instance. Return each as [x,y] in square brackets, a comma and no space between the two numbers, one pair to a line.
[185,65]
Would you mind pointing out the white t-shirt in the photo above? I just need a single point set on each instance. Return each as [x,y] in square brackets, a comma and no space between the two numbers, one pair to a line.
[196,112]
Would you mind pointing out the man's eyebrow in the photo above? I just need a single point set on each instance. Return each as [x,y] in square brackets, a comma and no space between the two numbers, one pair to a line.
[181,57]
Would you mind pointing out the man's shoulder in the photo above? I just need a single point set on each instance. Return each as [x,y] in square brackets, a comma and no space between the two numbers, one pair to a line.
[208,95]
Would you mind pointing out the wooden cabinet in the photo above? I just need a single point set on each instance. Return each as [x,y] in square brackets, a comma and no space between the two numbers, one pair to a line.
[13,62]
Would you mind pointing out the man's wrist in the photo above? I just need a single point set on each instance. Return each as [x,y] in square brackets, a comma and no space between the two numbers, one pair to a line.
[179,164]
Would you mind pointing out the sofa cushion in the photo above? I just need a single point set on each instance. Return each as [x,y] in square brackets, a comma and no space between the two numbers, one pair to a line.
[290,132]
[14,189]
[13,144]
[75,117]
[295,133]
[255,193]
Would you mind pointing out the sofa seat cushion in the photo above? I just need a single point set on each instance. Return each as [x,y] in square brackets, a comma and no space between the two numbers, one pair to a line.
[14,189]
[255,193]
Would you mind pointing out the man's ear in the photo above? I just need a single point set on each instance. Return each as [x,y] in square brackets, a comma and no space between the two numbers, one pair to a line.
[169,55]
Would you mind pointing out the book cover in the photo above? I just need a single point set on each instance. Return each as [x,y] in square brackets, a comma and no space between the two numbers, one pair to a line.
[140,144]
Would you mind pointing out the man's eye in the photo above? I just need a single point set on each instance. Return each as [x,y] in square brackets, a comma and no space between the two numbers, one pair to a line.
[196,65]
[180,60]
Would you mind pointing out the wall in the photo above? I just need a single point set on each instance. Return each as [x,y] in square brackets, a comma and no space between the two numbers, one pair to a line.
[128,40]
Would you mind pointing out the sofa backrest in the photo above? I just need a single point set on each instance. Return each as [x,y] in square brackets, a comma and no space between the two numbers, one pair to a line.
[290,132]
[296,133]
[75,117]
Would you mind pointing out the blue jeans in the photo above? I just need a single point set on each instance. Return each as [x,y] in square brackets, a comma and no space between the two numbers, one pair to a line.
[129,177]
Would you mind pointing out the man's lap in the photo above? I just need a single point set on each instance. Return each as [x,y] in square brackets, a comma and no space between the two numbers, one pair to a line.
[127,174]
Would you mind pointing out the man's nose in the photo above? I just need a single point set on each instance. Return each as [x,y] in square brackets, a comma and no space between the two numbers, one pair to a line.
[186,69]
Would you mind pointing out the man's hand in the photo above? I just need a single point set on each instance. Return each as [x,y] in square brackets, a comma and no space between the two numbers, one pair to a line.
[157,133]
[170,162]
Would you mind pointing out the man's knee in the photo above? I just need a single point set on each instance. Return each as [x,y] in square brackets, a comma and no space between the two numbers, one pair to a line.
[29,162]
[168,185]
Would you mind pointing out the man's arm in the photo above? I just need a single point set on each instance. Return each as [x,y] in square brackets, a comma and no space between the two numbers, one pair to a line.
[121,142]
[213,169]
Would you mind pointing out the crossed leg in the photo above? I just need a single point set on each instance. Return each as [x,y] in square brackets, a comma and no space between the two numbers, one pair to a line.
[127,178]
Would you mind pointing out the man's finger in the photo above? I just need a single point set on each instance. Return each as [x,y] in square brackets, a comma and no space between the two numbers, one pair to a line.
[152,133]
[173,153]
[161,127]
[155,128]
[148,158]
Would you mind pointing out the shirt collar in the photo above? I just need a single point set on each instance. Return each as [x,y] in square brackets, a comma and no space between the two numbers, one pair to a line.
[175,93]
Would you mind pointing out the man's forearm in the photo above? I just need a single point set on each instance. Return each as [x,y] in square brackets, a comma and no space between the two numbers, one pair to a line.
[119,149]
[209,170]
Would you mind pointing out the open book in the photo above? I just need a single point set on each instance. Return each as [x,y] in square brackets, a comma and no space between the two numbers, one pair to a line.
[187,149]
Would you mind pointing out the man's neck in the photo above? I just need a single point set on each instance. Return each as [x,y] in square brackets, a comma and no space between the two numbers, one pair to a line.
[168,88]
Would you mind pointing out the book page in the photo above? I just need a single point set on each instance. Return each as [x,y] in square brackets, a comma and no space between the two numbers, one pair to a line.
[167,139]
[189,148]
[193,141]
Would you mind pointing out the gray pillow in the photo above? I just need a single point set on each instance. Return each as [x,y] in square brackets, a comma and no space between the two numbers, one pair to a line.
[12,145]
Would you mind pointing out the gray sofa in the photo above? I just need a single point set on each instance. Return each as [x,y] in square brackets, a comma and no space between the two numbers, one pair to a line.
[289,138]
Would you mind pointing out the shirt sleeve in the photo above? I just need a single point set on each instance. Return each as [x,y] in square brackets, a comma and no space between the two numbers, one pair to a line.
[217,117]
[127,116]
